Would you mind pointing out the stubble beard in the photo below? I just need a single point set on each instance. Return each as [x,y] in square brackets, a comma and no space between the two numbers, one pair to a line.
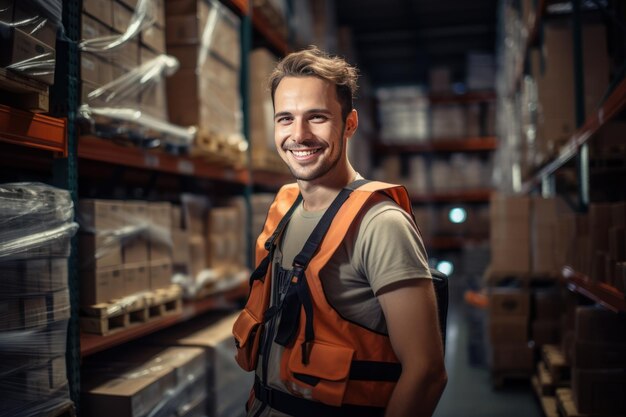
[322,170]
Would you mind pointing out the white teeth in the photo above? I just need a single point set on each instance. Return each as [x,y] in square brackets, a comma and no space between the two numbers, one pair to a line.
[304,153]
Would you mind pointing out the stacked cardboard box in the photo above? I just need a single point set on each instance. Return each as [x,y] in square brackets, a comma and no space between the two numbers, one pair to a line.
[148,381]
[552,70]
[599,362]
[510,235]
[545,235]
[204,36]
[509,315]
[126,248]
[228,386]
[546,320]
[36,221]
[260,205]
[403,114]
[31,41]
[264,153]
[109,18]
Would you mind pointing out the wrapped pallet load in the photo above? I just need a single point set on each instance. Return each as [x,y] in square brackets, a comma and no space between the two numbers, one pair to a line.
[35,231]
[28,30]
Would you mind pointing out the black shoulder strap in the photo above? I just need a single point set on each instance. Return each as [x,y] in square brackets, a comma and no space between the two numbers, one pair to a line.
[304,257]
[283,222]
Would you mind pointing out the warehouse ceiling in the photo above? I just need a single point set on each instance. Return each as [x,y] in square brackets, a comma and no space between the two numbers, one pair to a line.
[397,41]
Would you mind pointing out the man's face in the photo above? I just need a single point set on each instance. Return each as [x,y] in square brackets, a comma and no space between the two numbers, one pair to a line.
[308,127]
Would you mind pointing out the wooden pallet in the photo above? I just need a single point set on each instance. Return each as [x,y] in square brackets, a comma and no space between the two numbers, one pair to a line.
[24,93]
[545,382]
[556,365]
[107,318]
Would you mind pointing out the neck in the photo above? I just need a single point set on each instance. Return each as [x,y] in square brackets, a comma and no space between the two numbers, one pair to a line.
[320,193]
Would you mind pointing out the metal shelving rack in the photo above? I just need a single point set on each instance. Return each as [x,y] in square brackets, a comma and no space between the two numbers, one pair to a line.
[58,134]
[576,148]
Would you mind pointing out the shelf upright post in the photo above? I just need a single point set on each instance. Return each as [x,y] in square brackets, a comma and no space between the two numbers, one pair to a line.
[244,86]
[64,103]
[579,91]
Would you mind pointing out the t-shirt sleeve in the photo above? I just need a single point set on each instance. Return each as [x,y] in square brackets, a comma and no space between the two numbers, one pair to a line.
[388,247]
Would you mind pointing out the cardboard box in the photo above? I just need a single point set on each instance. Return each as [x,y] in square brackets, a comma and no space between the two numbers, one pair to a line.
[508,330]
[100,9]
[197,255]
[600,392]
[58,305]
[10,311]
[18,46]
[599,355]
[133,394]
[223,220]
[135,250]
[177,218]
[100,285]
[136,278]
[194,212]
[190,22]
[92,28]
[599,325]
[99,251]
[513,357]
[546,332]
[160,274]
[45,32]
[122,16]
[34,312]
[154,38]
[100,215]
[548,304]
[509,302]
[180,247]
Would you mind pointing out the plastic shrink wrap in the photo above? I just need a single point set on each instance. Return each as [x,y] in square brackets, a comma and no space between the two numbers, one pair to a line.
[36,226]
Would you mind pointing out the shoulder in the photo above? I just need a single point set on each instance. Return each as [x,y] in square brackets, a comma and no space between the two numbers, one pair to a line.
[386,213]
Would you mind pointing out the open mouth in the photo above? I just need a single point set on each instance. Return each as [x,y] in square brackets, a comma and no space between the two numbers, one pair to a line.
[302,155]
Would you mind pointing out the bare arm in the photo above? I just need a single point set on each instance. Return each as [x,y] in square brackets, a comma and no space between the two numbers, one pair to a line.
[411,314]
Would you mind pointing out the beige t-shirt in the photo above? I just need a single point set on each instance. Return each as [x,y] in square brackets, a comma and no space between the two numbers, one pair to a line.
[383,248]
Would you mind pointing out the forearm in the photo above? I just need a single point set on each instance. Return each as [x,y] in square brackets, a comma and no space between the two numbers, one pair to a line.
[417,393]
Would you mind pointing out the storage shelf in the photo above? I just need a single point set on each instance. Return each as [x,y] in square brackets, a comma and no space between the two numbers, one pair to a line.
[467,98]
[463,196]
[93,343]
[477,144]
[264,27]
[602,293]
[33,130]
[613,106]
[268,179]
[96,149]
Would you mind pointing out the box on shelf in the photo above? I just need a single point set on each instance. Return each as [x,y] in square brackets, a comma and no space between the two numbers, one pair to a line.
[505,330]
[122,16]
[599,355]
[510,234]
[45,32]
[599,391]
[18,46]
[599,325]
[160,274]
[101,285]
[548,304]
[509,302]
[513,357]
[136,277]
[99,9]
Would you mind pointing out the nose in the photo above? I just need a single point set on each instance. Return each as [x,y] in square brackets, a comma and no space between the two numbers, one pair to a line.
[300,131]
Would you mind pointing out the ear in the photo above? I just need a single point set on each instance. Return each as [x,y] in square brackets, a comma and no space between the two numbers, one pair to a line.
[352,122]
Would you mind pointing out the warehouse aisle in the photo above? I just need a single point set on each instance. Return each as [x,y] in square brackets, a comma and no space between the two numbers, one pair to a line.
[469,392]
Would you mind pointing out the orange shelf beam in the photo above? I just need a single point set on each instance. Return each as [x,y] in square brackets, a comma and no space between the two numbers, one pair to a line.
[265,28]
[487,143]
[93,343]
[467,98]
[465,196]
[24,128]
[96,149]
[607,295]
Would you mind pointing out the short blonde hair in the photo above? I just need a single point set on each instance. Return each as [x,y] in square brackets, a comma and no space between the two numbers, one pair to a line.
[313,62]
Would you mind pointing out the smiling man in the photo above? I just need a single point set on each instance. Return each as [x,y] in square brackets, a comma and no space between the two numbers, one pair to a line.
[341,319]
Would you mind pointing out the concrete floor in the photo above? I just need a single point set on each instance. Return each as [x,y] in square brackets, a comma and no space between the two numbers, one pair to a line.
[469,392]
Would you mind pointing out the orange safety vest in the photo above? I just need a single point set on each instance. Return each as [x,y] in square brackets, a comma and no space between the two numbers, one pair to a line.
[328,359]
